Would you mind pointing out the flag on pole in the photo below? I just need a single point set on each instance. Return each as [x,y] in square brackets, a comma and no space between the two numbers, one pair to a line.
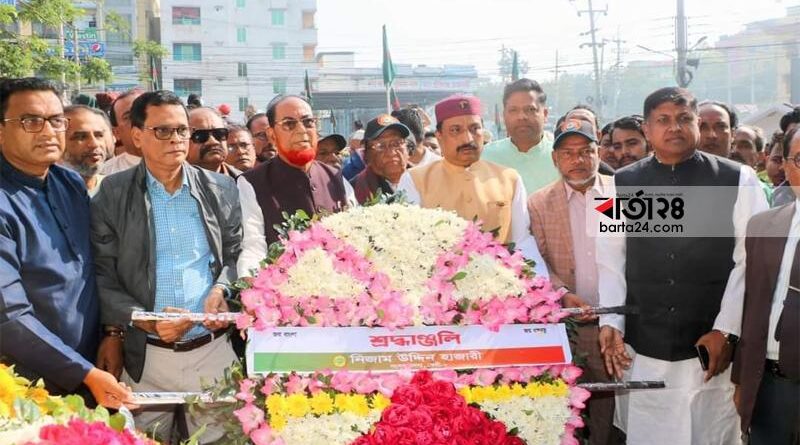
[394,99]
[308,90]
[388,71]
[388,66]
[515,68]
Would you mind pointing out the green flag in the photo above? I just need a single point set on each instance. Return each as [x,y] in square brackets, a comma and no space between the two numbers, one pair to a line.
[308,89]
[515,68]
[388,67]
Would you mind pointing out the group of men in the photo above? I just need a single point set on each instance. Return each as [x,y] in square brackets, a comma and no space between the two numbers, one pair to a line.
[190,203]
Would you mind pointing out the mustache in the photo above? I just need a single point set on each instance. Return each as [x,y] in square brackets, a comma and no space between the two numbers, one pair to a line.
[467,146]
[205,149]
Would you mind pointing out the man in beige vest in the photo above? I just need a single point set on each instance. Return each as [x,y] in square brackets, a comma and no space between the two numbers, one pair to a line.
[472,188]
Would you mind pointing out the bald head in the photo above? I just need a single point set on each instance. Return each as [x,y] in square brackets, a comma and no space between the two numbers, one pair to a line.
[208,147]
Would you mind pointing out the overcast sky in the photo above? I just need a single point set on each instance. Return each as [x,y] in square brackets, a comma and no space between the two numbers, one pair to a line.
[437,32]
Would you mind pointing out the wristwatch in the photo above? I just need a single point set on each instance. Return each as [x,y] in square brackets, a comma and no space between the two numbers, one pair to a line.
[730,339]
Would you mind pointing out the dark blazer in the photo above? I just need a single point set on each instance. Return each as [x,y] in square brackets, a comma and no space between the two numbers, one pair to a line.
[765,243]
[124,245]
[367,185]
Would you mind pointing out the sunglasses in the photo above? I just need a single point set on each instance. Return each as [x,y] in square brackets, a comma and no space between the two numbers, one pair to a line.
[201,136]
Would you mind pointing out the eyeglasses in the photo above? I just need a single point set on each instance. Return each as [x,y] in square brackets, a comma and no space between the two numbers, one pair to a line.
[795,160]
[165,133]
[393,145]
[239,146]
[35,124]
[585,154]
[201,135]
[261,136]
[290,124]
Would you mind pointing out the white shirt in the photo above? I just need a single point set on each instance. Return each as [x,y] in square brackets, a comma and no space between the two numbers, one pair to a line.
[583,227]
[520,220]
[120,163]
[254,244]
[428,157]
[782,285]
[611,264]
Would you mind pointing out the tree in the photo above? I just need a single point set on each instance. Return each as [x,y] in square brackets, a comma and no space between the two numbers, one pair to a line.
[506,63]
[149,53]
[96,70]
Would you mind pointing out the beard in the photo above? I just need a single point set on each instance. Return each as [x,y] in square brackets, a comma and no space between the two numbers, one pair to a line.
[298,158]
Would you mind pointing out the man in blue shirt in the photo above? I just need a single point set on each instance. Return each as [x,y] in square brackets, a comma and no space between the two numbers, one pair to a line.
[49,320]
[166,237]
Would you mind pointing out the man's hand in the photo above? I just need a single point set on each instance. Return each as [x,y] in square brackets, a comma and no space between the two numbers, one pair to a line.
[107,391]
[171,331]
[612,348]
[719,353]
[737,399]
[109,355]
[214,304]
[573,300]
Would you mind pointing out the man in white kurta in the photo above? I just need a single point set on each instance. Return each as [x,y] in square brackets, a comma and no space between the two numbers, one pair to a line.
[688,290]
[473,188]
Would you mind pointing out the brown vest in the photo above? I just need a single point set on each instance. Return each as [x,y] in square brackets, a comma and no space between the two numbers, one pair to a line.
[280,187]
[484,191]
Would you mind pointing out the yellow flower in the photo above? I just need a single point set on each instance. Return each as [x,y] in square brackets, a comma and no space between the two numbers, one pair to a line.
[297,405]
[481,393]
[321,403]
[9,391]
[276,404]
[355,403]
[380,402]
[518,390]
[40,396]
[534,390]
[277,422]
[466,393]
[502,393]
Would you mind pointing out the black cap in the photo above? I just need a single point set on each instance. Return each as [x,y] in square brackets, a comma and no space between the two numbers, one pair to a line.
[341,142]
[574,126]
[377,126]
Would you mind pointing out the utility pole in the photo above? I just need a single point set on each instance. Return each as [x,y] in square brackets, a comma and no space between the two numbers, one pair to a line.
[617,72]
[76,51]
[62,53]
[555,81]
[598,90]
[100,24]
[682,75]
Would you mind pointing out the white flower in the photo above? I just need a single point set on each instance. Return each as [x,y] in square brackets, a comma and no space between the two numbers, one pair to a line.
[314,274]
[538,420]
[401,241]
[485,277]
[332,429]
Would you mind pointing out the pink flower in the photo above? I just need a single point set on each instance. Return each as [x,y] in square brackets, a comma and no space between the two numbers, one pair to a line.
[365,384]
[269,386]
[245,393]
[571,373]
[263,436]
[485,377]
[250,417]
[296,384]
[342,381]
[578,396]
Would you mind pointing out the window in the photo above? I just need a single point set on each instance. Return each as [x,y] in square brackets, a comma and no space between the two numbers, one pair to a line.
[278,17]
[308,19]
[242,103]
[241,34]
[279,85]
[278,51]
[308,52]
[186,52]
[242,69]
[185,87]
[185,15]
[240,3]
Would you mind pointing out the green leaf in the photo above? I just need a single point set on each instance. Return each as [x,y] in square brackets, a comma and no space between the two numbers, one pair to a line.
[459,276]
[117,422]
